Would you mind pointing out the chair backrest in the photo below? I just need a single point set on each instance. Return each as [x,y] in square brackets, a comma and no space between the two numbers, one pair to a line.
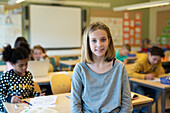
[167,53]
[57,60]
[60,83]
[37,87]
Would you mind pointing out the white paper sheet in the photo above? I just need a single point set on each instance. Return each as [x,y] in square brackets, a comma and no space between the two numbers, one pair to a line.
[155,80]
[43,101]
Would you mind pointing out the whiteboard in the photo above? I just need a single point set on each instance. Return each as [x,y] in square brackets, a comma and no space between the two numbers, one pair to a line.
[55,26]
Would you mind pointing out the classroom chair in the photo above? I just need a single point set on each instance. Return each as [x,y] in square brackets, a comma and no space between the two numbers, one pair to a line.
[37,87]
[55,61]
[60,83]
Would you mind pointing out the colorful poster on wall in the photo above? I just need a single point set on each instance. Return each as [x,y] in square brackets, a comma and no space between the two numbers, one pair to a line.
[10,28]
[115,25]
[132,29]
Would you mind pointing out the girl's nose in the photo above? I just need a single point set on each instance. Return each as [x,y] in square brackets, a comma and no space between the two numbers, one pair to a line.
[99,43]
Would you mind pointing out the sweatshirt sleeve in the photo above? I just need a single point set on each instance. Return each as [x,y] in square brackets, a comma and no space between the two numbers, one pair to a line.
[159,70]
[126,106]
[135,71]
[76,89]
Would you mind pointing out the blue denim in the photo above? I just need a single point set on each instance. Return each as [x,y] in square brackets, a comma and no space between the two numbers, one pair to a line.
[145,91]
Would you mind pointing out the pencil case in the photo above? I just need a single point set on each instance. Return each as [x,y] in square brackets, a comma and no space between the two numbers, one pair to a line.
[165,80]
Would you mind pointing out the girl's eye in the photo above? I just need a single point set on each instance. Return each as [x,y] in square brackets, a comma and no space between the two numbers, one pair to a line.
[104,39]
[93,40]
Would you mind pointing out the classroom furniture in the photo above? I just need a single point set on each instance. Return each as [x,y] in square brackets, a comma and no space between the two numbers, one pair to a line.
[37,87]
[2,68]
[70,63]
[60,83]
[131,60]
[143,101]
[153,85]
[63,103]
[46,80]
[55,61]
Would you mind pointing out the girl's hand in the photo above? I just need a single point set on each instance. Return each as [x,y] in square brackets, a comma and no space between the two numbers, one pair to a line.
[16,99]
[42,94]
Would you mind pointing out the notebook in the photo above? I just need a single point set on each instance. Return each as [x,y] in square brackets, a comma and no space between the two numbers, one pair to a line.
[38,68]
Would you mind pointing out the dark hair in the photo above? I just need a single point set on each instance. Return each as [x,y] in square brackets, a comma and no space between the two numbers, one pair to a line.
[127,46]
[19,40]
[12,55]
[156,51]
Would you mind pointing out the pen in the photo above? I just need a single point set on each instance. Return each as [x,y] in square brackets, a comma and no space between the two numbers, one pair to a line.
[27,103]
[68,96]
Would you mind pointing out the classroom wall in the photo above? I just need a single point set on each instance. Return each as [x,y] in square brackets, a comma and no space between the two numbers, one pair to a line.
[154,31]
[148,16]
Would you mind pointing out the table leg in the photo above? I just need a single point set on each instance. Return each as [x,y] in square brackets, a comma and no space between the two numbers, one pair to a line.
[149,109]
[156,106]
[163,101]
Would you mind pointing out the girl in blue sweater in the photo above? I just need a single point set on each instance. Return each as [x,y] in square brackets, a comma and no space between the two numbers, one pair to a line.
[99,82]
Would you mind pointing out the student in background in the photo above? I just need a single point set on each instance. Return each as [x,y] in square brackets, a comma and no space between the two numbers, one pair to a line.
[99,82]
[147,67]
[19,42]
[123,52]
[39,54]
[17,83]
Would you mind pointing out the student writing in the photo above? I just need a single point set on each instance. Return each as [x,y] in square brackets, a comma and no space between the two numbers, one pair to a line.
[147,67]
[17,83]
[99,81]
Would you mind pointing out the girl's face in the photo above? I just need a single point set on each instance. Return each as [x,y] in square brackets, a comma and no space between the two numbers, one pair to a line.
[20,67]
[99,42]
[37,54]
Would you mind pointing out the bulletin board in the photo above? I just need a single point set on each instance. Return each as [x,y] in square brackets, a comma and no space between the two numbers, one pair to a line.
[112,19]
[162,17]
[10,28]
[10,24]
[116,23]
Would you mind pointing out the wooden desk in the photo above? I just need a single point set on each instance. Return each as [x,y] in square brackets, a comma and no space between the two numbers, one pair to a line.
[143,101]
[63,104]
[154,85]
[131,60]
[70,63]
[46,80]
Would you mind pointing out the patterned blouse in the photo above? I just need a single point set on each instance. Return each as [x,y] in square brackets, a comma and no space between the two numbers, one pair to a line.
[12,84]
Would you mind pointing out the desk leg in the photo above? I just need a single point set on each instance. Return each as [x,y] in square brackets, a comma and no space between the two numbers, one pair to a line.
[149,108]
[156,106]
[163,101]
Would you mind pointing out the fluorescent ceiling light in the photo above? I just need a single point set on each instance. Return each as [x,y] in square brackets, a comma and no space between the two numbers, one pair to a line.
[142,5]
[72,3]
[18,1]
[12,2]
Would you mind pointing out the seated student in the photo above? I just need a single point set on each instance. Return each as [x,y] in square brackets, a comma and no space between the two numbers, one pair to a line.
[39,54]
[123,52]
[99,82]
[147,67]
[20,41]
[17,83]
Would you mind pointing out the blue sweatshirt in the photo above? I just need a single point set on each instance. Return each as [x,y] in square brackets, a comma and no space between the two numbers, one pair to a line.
[100,93]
